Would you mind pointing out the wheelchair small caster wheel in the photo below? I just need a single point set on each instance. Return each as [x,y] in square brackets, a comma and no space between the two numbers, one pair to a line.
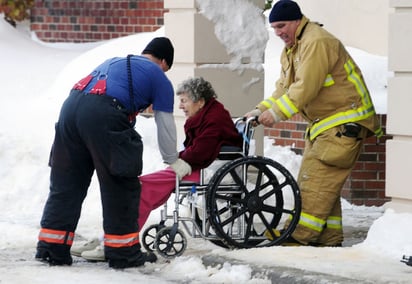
[149,236]
[170,242]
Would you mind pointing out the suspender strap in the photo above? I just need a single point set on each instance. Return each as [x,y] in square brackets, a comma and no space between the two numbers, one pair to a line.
[132,116]
[81,85]
[99,87]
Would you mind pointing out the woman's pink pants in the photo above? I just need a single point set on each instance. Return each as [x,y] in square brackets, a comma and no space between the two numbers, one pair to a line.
[156,190]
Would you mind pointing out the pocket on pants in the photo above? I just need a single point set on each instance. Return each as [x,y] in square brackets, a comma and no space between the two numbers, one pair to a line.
[338,151]
[125,153]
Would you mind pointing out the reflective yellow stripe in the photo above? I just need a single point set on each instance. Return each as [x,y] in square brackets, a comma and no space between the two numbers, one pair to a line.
[379,132]
[286,106]
[363,112]
[268,103]
[311,222]
[328,81]
[358,82]
[334,222]
[340,118]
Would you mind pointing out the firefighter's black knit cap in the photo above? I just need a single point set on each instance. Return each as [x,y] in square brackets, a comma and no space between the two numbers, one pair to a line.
[162,48]
[285,10]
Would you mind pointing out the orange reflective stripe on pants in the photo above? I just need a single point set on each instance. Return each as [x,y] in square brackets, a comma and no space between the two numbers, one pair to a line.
[118,241]
[56,236]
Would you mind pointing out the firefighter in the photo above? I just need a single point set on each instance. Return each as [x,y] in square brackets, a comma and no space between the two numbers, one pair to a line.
[320,81]
[95,131]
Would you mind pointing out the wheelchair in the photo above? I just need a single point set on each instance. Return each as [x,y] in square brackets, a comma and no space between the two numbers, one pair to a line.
[249,202]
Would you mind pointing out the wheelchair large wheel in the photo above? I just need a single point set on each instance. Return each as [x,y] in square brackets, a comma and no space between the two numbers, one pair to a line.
[253,202]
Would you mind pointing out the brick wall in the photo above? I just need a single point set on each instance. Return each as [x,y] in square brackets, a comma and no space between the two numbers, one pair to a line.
[366,184]
[94,20]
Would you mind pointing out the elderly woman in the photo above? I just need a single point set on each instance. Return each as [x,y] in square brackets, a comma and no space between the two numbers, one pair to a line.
[208,127]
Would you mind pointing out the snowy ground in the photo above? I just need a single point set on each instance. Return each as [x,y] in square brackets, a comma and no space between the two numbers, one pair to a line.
[35,79]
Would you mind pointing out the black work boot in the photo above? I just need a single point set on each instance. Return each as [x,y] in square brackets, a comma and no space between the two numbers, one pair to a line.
[44,255]
[54,254]
[139,261]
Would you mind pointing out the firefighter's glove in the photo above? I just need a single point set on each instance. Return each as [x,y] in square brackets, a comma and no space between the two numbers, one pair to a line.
[268,118]
[254,113]
[181,168]
[276,118]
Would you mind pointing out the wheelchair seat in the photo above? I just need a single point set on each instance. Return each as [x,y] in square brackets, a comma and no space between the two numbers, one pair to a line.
[226,153]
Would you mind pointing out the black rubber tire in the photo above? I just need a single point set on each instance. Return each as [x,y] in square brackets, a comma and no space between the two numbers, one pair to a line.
[246,202]
[170,242]
[149,236]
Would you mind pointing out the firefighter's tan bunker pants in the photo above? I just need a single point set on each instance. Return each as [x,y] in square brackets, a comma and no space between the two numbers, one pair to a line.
[326,164]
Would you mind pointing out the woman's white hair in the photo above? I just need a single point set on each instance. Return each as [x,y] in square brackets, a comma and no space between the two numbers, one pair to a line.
[197,88]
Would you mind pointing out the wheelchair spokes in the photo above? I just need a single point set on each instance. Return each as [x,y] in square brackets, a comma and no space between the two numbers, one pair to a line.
[170,242]
[242,213]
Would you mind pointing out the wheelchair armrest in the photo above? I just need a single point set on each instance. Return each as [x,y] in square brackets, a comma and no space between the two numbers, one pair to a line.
[230,153]
[229,149]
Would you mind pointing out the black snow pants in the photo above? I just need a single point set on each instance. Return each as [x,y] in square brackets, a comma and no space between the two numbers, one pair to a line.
[93,133]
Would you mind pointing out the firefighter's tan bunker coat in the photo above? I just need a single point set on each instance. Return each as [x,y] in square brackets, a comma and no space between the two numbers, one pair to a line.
[320,81]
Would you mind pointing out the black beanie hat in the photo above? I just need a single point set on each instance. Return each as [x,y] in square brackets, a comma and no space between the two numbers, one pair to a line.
[162,48]
[285,10]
